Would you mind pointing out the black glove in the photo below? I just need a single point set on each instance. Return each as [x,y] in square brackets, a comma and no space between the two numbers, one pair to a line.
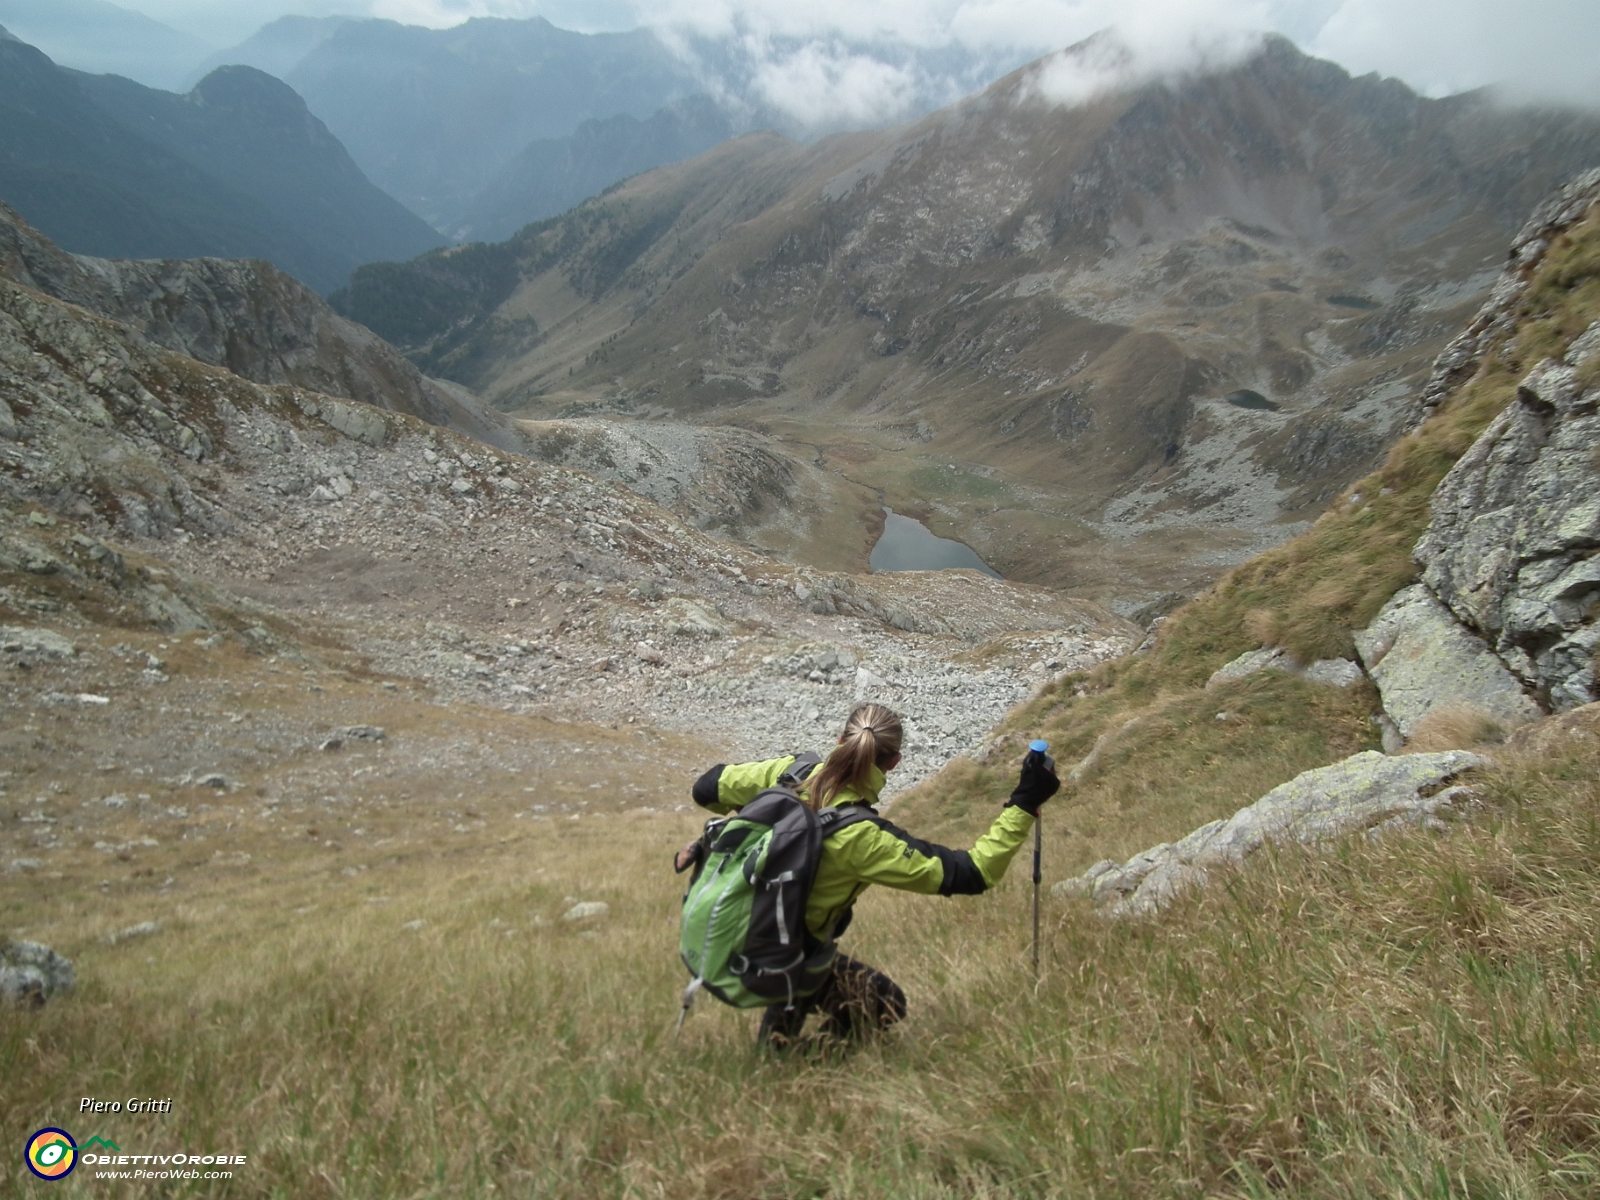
[1037,783]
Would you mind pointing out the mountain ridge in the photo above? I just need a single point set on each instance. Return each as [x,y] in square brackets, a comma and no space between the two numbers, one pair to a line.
[1056,304]
[548,176]
[248,318]
[238,167]
[274,48]
[254,131]
[103,37]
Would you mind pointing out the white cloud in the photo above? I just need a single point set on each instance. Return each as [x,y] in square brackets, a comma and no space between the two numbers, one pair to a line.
[832,63]
[1127,57]
[1533,49]
[919,23]
[824,85]
[1538,49]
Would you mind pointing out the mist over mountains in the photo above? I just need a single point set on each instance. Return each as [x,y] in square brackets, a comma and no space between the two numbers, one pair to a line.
[236,168]
[493,123]
[433,116]
[437,116]
[98,36]
[1153,310]
[551,175]
[274,48]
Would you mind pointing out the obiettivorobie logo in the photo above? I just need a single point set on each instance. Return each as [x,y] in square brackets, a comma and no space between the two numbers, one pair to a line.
[52,1153]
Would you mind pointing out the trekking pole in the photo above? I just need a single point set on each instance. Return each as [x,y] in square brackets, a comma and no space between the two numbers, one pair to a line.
[1037,747]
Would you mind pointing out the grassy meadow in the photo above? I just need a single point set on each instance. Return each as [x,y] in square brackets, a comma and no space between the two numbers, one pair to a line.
[1416,1017]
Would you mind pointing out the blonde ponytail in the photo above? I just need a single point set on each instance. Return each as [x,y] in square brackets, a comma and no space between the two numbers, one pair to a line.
[871,738]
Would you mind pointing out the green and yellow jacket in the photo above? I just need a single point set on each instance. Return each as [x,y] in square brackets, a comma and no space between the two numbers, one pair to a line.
[872,851]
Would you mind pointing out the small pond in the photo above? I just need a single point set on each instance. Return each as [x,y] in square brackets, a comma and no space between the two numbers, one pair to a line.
[1359,303]
[1245,398]
[908,545]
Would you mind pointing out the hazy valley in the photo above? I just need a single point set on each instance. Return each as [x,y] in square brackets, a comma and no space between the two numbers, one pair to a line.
[1114,348]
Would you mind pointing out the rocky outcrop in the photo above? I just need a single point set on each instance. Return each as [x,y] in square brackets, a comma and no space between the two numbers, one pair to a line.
[250,318]
[1462,358]
[1422,659]
[1364,791]
[1513,546]
[1503,621]
[32,974]
[1560,734]
[45,643]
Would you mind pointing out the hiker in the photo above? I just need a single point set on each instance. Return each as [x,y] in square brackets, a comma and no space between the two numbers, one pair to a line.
[861,848]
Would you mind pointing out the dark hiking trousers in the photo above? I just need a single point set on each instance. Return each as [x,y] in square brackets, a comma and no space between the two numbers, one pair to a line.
[854,1002]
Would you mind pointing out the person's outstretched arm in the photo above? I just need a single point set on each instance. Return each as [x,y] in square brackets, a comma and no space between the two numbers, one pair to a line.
[883,853]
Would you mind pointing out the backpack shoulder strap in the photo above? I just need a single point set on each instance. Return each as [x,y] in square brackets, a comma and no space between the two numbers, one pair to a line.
[800,769]
[842,816]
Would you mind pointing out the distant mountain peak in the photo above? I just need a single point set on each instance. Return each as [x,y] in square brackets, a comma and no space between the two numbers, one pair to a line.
[7,36]
[238,168]
[276,47]
[1108,62]
[433,116]
[1198,302]
[294,23]
[242,88]
[542,24]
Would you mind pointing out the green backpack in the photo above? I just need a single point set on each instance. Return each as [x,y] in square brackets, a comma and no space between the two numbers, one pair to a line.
[743,935]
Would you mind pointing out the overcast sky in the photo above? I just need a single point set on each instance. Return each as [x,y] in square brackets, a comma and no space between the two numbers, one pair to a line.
[1537,49]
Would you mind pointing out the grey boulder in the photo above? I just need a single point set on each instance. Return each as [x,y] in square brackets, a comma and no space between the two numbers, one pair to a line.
[1335,672]
[1423,659]
[1361,792]
[685,616]
[32,974]
[43,642]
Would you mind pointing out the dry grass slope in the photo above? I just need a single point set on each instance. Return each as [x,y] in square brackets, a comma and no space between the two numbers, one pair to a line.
[1416,1017]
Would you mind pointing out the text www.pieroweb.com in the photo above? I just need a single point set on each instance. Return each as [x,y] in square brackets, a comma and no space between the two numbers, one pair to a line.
[162,1166]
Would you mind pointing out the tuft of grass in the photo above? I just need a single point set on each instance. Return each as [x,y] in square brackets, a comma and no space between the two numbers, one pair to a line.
[1455,727]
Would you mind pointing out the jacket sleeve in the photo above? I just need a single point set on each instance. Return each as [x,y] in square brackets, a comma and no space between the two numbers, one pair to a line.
[729,787]
[883,853]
